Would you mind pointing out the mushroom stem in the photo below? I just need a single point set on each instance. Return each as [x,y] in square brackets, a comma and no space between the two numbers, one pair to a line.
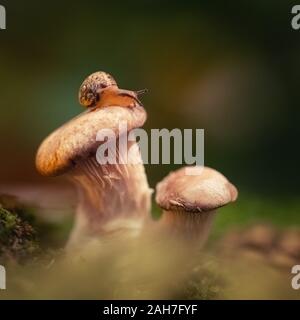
[113,198]
[189,226]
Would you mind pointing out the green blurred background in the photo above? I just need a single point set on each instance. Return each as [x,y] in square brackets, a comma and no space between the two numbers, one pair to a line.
[230,67]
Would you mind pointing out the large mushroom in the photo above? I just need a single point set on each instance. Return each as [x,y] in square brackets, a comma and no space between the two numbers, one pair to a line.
[113,197]
[189,198]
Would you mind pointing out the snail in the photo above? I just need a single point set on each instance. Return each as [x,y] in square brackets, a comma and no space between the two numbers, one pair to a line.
[100,90]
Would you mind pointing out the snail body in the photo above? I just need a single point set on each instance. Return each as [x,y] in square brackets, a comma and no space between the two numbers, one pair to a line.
[100,90]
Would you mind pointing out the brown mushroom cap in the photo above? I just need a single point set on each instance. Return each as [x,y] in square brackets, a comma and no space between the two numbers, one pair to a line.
[76,140]
[194,193]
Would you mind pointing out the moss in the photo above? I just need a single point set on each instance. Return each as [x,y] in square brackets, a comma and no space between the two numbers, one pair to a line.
[18,238]
[208,286]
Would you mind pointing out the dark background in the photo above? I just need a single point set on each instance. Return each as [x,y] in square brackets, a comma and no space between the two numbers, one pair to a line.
[230,67]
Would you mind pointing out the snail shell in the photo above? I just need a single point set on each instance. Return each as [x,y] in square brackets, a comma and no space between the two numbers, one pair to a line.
[89,92]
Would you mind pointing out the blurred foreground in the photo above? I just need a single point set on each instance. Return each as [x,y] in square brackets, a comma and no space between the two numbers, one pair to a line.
[243,260]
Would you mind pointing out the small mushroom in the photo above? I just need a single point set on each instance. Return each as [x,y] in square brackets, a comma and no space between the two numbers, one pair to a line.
[189,201]
[261,237]
[289,243]
[112,197]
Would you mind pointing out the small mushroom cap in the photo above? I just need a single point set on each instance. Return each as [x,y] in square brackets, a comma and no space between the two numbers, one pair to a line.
[194,193]
[76,139]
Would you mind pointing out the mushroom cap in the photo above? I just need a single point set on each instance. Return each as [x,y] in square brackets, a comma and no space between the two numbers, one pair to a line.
[76,139]
[194,193]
